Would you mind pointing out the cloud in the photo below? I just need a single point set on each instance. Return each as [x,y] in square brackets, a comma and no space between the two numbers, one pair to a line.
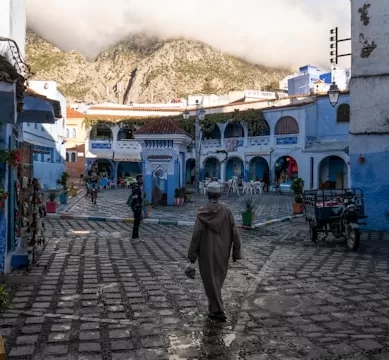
[269,32]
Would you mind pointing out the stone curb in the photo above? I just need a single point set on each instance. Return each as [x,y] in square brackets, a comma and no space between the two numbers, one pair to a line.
[157,221]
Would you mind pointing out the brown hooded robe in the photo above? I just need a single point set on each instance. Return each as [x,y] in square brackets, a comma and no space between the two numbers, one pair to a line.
[213,236]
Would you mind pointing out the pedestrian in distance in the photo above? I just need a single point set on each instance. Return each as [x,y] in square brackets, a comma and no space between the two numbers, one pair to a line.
[214,235]
[136,203]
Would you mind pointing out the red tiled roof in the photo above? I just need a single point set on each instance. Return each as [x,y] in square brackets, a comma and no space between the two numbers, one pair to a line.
[162,126]
[73,114]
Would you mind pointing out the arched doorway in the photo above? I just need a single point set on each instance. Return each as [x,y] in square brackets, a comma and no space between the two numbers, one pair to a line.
[101,132]
[233,130]
[212,168]
[234,167]
[213,134]
[159,189]
[128,169]
[190,171]
[104,166]
[333,173]
[285,169]
[258,168]
[126,133]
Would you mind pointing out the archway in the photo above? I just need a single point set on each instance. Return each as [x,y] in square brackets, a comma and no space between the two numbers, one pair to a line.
[212,168]
[214,134]
[261,128]
[285,169]
[333,173]
[234,167]
[159,189]
[104,166]
[101,131]
[258,169]
[287,125]
[128,169]
[233,130]
[190,171]
[126,133]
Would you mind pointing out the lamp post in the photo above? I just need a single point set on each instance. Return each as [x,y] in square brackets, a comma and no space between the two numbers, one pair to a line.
[200,115]
[333,94]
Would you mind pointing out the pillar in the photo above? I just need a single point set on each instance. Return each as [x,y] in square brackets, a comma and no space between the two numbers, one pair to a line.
[369,135]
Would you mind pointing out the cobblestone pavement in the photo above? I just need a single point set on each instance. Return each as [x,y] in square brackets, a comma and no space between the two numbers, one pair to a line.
[96,296]
[112,203]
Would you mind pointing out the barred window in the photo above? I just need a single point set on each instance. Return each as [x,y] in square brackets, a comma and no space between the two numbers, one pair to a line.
[343,113]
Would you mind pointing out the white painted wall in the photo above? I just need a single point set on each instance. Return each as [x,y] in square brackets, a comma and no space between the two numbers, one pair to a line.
[13,24]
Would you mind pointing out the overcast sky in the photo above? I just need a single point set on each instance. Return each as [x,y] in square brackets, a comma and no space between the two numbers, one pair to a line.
[273,32]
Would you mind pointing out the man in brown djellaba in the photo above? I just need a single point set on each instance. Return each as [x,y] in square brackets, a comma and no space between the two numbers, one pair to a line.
[214,234]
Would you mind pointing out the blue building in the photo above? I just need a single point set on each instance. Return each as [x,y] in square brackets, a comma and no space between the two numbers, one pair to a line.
[304,81]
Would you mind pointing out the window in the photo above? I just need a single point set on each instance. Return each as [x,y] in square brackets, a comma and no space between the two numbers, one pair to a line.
[287,125]
[36,125]
[343,113]
[67,133]
[74,133]
[73,157]
[67,157]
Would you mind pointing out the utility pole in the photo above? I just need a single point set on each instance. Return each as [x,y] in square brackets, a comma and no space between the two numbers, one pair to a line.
[334,46]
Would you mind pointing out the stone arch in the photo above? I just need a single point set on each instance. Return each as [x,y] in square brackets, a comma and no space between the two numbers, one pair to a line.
[101,131]
[211,167]
[285,169]
[333,173]
[258,168]
[287,125]
[234,167]
[234,129]
[261,129]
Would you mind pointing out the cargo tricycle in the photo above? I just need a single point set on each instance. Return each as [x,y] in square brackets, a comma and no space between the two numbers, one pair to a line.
[335,211]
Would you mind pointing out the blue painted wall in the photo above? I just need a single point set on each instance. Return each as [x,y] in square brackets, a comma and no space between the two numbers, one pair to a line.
[326,125]
[373,178]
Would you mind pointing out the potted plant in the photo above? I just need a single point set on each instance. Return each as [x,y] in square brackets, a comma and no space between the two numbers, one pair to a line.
[248,213]
[298,188]
[51,205]
[3,197]
[188,195]
[181,195]
[176,196]
[63,181]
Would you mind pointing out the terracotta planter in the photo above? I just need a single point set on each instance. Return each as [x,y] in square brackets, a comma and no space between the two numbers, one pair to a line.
[51,207]
[176,201]
[361,159]
[298,208]
[181,201]
[73,192]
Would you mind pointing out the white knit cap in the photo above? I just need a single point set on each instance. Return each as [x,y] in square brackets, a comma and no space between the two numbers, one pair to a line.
[214,187]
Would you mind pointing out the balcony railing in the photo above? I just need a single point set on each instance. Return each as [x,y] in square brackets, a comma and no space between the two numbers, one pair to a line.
[100,144]
[259,141]
[211,144]
[128,145]
[286,139]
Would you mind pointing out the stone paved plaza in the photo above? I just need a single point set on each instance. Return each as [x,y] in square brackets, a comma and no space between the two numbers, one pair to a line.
[96,296]
[112,204]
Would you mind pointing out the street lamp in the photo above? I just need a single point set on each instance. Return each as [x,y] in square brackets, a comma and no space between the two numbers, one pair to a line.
[333,94]
[200,116]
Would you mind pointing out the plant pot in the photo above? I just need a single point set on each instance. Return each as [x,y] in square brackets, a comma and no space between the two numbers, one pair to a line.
[1,204]
[361,159]
[298,208]
[51,207]
[63,198]
[146,211]
[181,201]
[176,201]
[248,218]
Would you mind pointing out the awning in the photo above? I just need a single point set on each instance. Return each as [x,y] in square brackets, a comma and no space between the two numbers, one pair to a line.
[97,155]
[328,147]
[128,157]
[37,110]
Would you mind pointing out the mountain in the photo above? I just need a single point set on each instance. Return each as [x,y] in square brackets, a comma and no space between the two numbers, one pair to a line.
[148,70]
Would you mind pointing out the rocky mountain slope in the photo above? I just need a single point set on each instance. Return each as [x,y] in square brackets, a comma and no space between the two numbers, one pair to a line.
[147,70]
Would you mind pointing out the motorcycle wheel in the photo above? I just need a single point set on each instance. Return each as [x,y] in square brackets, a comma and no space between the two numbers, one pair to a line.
[353,238]
[312,231]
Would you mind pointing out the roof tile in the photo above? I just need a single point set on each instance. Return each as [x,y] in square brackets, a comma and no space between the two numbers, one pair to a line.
[162,126]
